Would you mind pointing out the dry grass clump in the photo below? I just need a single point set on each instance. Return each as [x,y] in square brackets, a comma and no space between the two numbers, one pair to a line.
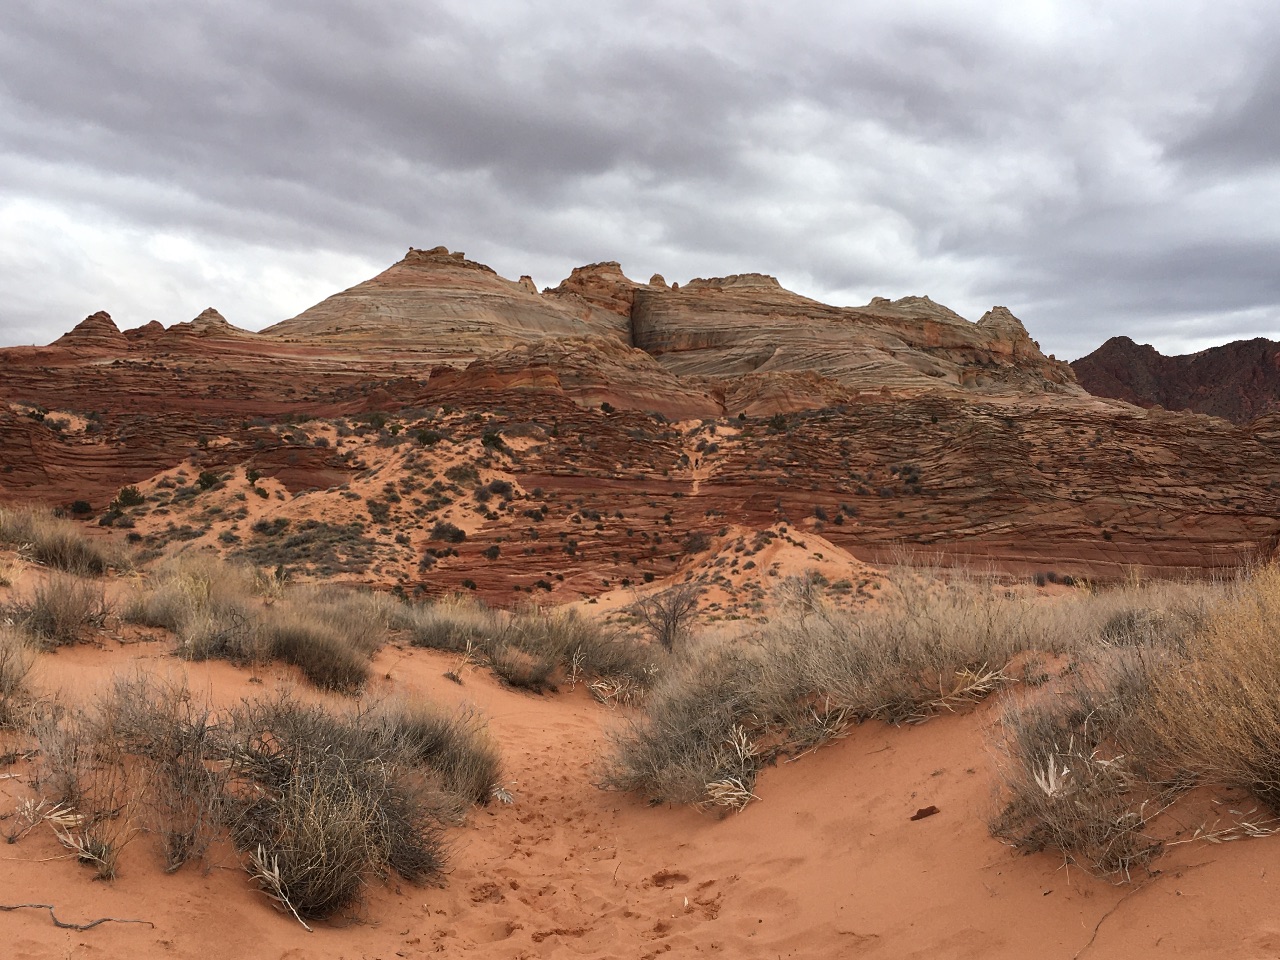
[181,748]
[453,624]
[89,797]
[16,661]
[931,645]
[212,607]
[694,737]
[207,604]
[530,647]
[456,747]
[1081,773]
[720,715]
[1217,715]
[360,617]
[60,608]
[326,656]
[58,543]
[320,803]
[1182,687]
[11,569]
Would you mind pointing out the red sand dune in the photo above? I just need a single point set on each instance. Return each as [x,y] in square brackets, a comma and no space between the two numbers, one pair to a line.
[828,863]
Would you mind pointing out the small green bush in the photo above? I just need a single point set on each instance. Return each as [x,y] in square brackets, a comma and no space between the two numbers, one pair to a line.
[448,532]
[130,497]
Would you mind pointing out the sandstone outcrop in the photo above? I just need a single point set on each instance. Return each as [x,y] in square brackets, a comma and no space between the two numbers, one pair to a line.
[440,307]
[590,370]
[732,326]
[147,331]
[208,324]
[1237,381]
[97,331]
[638,414]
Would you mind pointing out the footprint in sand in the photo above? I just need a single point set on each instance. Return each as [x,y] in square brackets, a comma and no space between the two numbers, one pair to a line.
[486,893]
[667,879]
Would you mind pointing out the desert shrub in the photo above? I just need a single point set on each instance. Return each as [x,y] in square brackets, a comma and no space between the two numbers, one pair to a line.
[669,614]
[450,533]
[318,803]
[89,794]
[522,668]
[526,647]
[428,438]
[1218,715]
[690,745]
[456,747]
[329,632]
[710,723]
[327,547]
[16,661]
[224,630]
[206,603]
[361,617]
[327,657]
[1078,767]
[463,473]
[584,647]
[331,805]
[60,609]
[58,543]
[184,771]
[452,625]
[130,497]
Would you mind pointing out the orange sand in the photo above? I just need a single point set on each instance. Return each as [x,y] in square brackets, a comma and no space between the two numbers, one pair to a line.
[827,864]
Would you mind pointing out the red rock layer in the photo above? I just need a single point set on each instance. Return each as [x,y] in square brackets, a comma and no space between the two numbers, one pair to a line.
[1237,381]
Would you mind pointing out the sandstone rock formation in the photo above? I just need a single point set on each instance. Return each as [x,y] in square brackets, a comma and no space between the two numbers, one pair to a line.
[637,414]
[1237,381]
[743,324]
[96,331]
[145,332]
[439,306]
[209,324]
[592,371]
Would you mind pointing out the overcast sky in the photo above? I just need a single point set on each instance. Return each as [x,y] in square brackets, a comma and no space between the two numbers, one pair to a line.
[1100,168]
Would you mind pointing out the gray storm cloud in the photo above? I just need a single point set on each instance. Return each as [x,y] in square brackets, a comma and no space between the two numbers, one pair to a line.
[1099,168]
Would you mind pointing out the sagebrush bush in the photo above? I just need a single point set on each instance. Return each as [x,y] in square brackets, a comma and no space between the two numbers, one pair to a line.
[16,661]
[319,803]
[1078,765]
[527,647]
[61,607]
[58,543]
[931,644]
[1217,715]
[326,657]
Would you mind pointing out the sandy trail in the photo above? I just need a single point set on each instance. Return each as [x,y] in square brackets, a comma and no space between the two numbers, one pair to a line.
[827,864]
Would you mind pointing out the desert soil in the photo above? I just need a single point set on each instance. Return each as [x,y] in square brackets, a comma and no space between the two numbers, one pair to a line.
[827,863]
